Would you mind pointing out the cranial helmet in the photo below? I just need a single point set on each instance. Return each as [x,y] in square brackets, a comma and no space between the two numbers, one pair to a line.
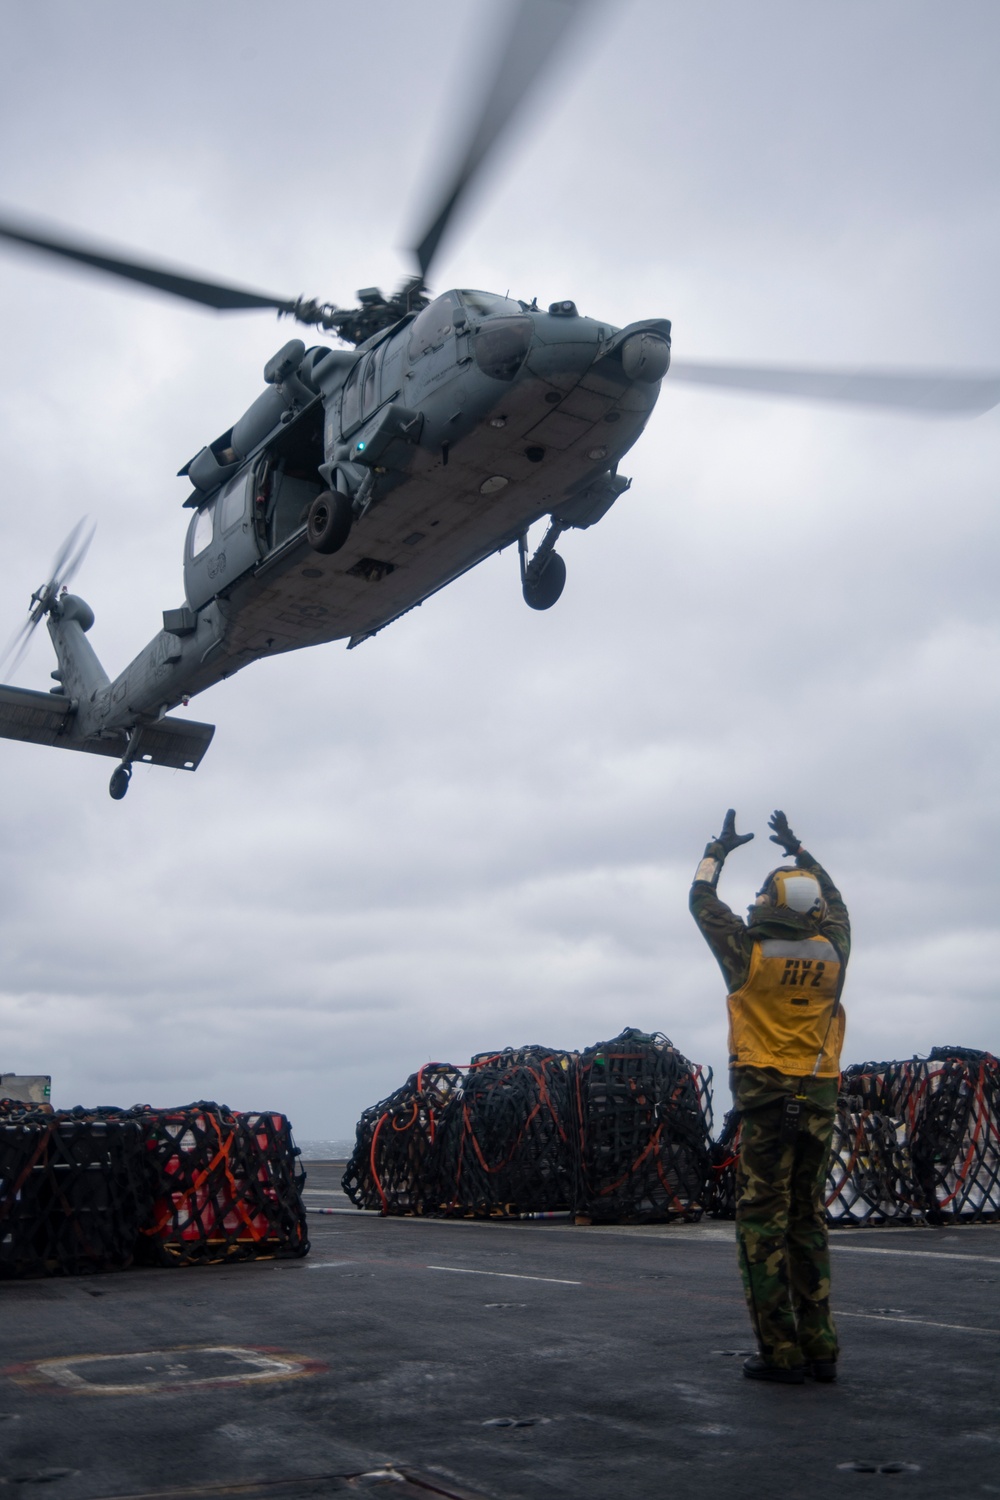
[795,890]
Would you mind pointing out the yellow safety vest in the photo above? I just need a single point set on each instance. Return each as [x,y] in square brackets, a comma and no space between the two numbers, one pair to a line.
[784,1015]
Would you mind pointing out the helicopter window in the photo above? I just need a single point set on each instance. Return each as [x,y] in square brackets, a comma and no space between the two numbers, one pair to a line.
[489,305]
[201,534]
[432,327]
[233,502]
[350,407]
[500,346]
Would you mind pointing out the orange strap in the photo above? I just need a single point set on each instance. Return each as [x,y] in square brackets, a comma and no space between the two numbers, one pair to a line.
[199,1180]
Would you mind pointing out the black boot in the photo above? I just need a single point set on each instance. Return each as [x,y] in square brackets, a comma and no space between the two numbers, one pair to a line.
[757,1368]
[823,1370]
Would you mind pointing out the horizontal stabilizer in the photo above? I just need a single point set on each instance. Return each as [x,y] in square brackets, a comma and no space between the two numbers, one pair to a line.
[46,719]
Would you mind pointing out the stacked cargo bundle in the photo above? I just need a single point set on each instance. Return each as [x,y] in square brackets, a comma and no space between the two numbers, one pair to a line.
[91,1190]
[918,1139]
[644,1122]
[396,1166]
[225,1186]
[508,1148]
[949,1107]
[870,1177]
[621,1131]
[73,1192]
[721,1192]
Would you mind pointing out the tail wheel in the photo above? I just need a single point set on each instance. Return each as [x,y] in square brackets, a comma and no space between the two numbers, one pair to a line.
[329,521]
[542,591]
[118,785]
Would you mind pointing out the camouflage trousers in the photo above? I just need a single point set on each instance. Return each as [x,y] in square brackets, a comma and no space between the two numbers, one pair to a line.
[781,1233]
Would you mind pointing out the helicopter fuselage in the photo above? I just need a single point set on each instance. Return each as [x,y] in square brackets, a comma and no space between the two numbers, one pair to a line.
[438,441]
[454,432]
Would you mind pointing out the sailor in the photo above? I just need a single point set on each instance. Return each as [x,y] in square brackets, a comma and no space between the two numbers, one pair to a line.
[784,970]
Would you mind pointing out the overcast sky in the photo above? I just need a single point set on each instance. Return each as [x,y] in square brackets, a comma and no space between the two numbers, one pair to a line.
[478,829]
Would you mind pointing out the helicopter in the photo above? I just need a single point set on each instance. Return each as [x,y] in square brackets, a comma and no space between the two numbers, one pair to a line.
[366,477]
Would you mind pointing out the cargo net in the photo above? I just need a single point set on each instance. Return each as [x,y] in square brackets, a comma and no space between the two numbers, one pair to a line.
[225,1187]
[395,1166]
[93,1190]
[870,1176]
[867,1178]
[620,1131]
[721,1188]
[915,1140]
[509,1144]
[73,1192]
[947,1114]
[644,1120]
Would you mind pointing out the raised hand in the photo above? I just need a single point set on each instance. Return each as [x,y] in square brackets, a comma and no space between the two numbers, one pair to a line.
[729,838]
[782,834]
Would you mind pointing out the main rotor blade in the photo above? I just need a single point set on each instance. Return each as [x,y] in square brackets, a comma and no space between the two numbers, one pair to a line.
[934,393]
[538,26]
[222,297]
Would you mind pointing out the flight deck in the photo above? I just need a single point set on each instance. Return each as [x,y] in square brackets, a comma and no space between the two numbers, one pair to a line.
[499,1359]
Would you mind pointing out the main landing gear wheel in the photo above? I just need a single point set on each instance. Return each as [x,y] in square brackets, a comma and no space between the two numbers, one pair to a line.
[542,591]
[120,778]
[329,522]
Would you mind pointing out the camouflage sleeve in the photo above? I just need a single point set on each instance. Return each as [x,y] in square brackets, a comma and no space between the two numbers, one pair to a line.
[836,923]
[724,932]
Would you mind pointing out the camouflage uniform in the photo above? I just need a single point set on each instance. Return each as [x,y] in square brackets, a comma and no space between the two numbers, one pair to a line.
[780,1222]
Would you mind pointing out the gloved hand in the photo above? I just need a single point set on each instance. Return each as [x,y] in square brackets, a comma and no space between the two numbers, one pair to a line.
[782,834]
[729,838]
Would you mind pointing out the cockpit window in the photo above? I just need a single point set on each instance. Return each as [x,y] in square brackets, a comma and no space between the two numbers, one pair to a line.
[435,324]
[489,305]
[201,532]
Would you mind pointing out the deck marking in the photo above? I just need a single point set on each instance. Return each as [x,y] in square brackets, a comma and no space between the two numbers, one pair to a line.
[506,1275]
[356,1211]
[157,1371]
[923,1322]
[324,1265]
[991,1260]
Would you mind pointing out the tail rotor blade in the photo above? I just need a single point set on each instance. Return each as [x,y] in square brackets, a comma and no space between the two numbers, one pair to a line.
[17,646]
[72,562]
[65,564]
[538,27]
[933,393]
[65,553]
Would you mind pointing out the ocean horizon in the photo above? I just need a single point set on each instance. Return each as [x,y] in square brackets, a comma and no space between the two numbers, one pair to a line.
[325,1150]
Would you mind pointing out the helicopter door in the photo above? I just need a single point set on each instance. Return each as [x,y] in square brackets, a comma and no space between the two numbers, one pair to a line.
[361,393]
[221,542]
[350,401]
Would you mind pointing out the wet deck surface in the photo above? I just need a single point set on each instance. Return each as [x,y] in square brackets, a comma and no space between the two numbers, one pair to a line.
[499,1360]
